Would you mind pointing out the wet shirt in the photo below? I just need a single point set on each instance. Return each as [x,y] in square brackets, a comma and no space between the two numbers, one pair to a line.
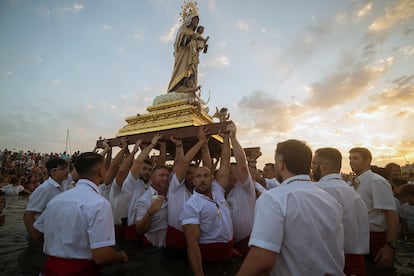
[77,221]
[213,215]
[42,195]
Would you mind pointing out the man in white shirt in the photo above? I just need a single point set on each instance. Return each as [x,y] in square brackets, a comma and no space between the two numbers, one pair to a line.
[241,195]
[58,172]
[326,168]
[293,222]
[378,197]
[136,184]
[78,226]
[181,187]
[151,209]
[206,217]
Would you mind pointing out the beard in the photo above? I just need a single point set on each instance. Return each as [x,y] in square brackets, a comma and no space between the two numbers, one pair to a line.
[317,174]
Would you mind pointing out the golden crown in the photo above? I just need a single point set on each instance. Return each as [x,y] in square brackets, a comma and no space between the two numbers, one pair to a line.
[188,9]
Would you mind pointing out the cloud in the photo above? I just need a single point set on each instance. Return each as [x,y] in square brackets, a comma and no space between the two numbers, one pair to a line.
[138,35]
[105,27]
[38,59]
[222,60]
[364,10]
[344,85]
[407,50]
[170,35]
[212,5]
[57,82]
[401,93]
[402,12]
[268,113]
[243,25]
[77,7]
[7,73]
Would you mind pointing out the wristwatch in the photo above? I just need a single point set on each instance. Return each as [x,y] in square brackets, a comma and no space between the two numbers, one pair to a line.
[393,244]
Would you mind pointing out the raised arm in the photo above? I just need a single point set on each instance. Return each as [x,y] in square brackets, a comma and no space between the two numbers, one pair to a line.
[136,166]
[114,166]
[162,158]
[126,164]
[182,167]
[179,151]
[223,172]
[205,155]
[241,162]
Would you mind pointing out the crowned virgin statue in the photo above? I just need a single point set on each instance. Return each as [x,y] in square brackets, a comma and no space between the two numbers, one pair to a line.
[185,48]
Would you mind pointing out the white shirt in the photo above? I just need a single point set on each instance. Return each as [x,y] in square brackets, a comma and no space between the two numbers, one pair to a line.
[407,213]
[259,187]
[132,190]
[42,195]
[355,216]
[377,194]
[118,202]
[177,196]
[77,221]
[11,190]
[271,183]
[303,224]
[158,230]
[241,200]
[213,216]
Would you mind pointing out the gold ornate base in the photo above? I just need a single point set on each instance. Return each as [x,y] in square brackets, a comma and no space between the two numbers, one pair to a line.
[165,115]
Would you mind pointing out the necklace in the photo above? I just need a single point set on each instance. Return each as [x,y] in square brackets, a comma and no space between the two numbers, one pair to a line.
[297,179]
[217,205]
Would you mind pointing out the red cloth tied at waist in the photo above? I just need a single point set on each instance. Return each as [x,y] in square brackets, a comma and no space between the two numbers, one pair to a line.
[354,264]
[216,252]
[175,238]
[56,266]
[376,242]
[131,233]
[242,246]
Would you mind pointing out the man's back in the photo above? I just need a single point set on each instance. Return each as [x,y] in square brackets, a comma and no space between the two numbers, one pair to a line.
[303,224]
[83,220]
[355,216]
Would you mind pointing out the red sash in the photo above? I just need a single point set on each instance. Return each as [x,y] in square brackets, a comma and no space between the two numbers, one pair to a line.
[131,233]
[175,238]
[216,252]
[354,264]
[242,246]
[56,266]
[376,242]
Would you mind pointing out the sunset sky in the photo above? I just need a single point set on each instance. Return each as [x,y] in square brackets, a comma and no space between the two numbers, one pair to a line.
[330,72]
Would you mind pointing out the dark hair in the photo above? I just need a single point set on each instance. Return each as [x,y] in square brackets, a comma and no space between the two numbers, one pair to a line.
[159,167]
[364,152]
[296,155]
[332,156]
[407,189]
[389,167]
[54,163]
[270,165]
[86,162]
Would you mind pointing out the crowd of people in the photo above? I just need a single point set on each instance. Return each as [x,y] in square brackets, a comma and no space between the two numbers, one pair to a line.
[297,216]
